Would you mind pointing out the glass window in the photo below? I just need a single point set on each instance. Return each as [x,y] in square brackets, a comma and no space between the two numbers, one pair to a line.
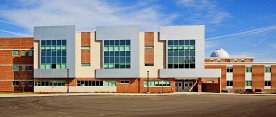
[15,83]
[248,83]
[157,83]
[248,69]
[267,69]
[15,68]
[85,64]
[229,69]
[181,54]
[23,68]
[117,54]
[229,83]
[124,82]
[267,83]
[15,53]
[53,54]
[85,47]
[30,53]
[23,53]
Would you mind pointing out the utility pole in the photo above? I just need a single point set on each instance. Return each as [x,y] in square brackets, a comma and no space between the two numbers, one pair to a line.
[148,82]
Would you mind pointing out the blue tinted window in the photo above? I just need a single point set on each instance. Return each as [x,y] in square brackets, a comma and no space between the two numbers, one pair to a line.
[63,42]
[122,42]
[48,42]
[54,42]
[51,53]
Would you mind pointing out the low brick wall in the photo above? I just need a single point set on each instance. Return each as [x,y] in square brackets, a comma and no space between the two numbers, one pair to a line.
[210,87]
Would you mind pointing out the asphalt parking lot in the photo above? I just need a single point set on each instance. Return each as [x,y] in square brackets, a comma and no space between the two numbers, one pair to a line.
[152,106]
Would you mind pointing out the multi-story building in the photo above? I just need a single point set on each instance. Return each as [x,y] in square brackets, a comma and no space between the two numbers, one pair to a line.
[123,59]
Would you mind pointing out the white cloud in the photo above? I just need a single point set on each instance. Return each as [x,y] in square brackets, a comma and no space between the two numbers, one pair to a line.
[204,11]
[85,14]
[248,32]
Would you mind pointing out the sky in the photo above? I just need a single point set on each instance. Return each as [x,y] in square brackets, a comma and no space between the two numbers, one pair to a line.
[244,28]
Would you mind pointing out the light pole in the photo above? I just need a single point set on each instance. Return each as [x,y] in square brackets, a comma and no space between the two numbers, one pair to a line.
[162,85]
[67,80]
[148,82]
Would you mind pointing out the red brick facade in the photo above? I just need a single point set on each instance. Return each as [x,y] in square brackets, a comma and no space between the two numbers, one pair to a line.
[7,75]
[149,52]
[85,42]
[257,76]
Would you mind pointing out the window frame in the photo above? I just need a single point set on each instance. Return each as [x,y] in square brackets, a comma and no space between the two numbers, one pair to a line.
[124,81]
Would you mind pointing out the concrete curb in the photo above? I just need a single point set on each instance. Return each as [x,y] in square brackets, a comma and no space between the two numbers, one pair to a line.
[128,94]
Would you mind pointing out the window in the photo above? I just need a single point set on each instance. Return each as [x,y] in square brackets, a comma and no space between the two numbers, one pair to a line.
[235,60]
[248,83]
[242,60]
[124,82]
[219,60]
[30,68]
[212,60]
[181,54]
[229,83]
[15,68]
[31,83]
[267,69]
[23,68]
[23,53]
[149,64]
[85,47]
[91,83]
[229,69]
[30,53]
[85,64]
[23,83]
[50,83]
[267,83]
[110,83]
[227,60]
[15,53]
[248,69]
[53,54]
[153,83]
[15,83]
[149,47]
[117,54]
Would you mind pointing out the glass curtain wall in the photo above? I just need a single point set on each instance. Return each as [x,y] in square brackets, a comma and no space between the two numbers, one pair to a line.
[117,54]
[181,54]
[53,54]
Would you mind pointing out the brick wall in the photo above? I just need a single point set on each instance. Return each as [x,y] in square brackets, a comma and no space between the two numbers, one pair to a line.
[85,53]
[257,76]
[273,76]
[238,76]
[223,73]
[7,75]
[149,52]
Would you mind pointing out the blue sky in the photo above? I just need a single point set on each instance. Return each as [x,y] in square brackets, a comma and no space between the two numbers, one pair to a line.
[245,28]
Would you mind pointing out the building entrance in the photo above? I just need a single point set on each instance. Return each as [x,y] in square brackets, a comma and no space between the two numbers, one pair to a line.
[185,85]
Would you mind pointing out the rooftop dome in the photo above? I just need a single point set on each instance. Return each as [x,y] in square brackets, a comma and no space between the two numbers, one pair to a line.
[220,53]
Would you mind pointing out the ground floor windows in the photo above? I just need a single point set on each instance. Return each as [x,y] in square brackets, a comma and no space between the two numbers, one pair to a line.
[248,83]
[97,83]
[157,83]
[229,83]
[15,83]
[50,83]
[124,82]
[267,83]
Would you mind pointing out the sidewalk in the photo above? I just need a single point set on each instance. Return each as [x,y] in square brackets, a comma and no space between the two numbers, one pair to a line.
[127,94]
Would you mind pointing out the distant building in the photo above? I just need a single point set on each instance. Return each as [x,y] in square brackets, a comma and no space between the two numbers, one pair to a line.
[122,59]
